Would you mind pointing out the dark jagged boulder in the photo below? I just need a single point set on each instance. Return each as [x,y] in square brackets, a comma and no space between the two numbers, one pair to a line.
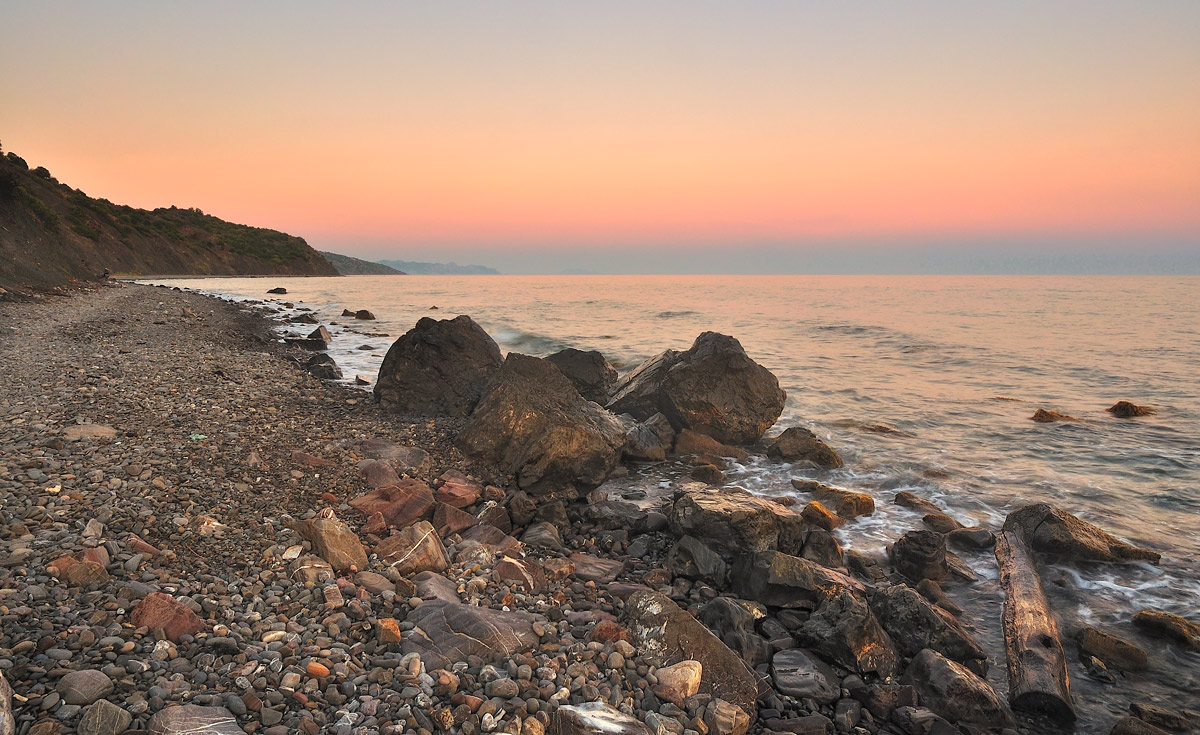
[690,558]
[437,368]
[667,634]
[732,521]
[532,423]
[322,366]
[713,388]
[844,629]
[589,372]
[781,580]
[921,555]
[799,674]
[1054,531]
[798,444]
[952,691]
[733,622]
[649,440]
[914,624]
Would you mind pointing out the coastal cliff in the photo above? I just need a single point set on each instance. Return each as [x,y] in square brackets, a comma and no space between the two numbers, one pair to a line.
[52,235]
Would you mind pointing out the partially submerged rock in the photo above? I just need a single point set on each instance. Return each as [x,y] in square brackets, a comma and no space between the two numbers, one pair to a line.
[532,423]
[1055,531]
[848,504]
[919,555]
[438,368]
[667,634]
[323,367]
[588,371]
[1113,651]
[1043,416]
[1127,410]
[713,388]
[1170,626]
[798,444]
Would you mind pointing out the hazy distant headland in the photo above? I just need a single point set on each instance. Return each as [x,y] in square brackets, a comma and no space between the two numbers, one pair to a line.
[440,269]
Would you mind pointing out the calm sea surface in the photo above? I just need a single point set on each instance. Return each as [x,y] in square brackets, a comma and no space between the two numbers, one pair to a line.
[956,364]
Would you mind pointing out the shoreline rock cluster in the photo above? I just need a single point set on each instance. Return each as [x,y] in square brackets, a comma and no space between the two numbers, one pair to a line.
[198,538]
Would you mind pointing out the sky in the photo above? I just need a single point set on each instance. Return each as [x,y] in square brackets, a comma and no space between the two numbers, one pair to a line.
[686,136]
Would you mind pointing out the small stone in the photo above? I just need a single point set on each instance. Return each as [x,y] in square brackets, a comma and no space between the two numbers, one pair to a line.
[104,718]
[317,670]
[84,687]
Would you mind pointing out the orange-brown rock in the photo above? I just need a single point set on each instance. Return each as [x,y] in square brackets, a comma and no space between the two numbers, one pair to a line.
[691,442]
[160,610]
[401,504]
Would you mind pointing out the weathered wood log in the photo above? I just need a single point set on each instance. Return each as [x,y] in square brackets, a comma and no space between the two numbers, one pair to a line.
[1037,664]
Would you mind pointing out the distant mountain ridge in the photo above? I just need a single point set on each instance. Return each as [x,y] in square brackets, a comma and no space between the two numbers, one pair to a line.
[350,266]
[440,269]
[52,235]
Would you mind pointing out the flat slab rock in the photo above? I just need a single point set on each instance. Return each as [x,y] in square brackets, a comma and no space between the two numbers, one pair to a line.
[591,718]
[596,569]
[799,674]
[191,719]
[446,632]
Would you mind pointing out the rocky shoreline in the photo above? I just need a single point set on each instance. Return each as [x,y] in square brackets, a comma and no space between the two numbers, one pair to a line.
[198,535]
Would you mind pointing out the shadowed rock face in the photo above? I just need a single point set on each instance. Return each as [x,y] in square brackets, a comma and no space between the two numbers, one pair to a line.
[914,625]
[713,388]
[446,632]
[955,693]
[531,422]
[1055,531]
[589,372]
[437,368]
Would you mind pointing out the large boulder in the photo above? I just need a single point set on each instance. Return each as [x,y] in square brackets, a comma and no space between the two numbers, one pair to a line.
[952,691]
[532,423]
[588,371]
[915,624]
[691,559]
[797,673]
[1054,531]
[713,388]
[733,622]
[731,521]
[446,632]
[667,634]
[437,368]
[649,440]
[920,554]
[782,580]
[844,629]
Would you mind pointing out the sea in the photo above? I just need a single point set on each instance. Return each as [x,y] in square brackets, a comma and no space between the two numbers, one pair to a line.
[922,383]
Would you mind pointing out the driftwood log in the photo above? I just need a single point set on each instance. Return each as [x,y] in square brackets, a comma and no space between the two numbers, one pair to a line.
[1037,664]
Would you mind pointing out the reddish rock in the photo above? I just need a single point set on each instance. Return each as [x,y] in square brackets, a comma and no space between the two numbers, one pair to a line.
[389,631]
[309,460]
[417,548]
[449,520]
[334,541]
[401,504]
[691,442]
[595,569]
[846,503]
[137,544]
[820,516]
[160,610]
[458,490]
[524,573]
[1127,410]
[608,631]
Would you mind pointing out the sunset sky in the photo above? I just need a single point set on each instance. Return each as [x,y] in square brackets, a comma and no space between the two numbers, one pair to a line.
[626,136]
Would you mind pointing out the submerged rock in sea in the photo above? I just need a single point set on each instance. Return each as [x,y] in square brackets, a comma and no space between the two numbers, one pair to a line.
[531,422]
[437,368]
[1169,626]
[1114,651]
[591,374]
[713,388]
[1042,416]
[800,444]
[848,504]
[1127,410]
[1054,531]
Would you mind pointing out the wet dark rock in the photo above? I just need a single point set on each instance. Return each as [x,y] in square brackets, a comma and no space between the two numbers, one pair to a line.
[848,504]
[667,634]
[532,423]
[1115,652]
[364,314]
[912,501]
[713,388]
[734,624]
[920,555]
[1170,626]
[975,539]
[649,440]
[914,624]
[588,371]
[1135,726]
[324,367]
[690,558]
[438,368]
[1127,410]
[844,629]
[446,632]
[709,474]
[940,522]
[821,547]
[277,290]
[953,692]
[798,444]
[797,673]
[1161,717]
[1043,416]
[921,721]
[1055,531]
